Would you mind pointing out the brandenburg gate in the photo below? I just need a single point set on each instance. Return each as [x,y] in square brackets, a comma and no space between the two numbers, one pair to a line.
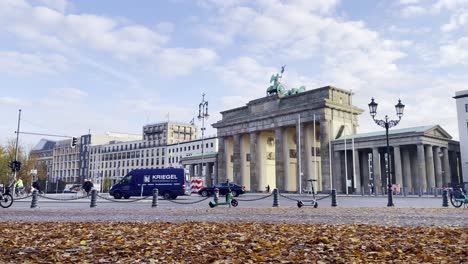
[261,144]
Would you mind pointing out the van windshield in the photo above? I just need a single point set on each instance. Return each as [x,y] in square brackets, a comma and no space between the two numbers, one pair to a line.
[126,179]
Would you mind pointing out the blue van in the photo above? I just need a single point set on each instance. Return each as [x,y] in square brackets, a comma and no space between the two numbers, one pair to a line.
[170,183]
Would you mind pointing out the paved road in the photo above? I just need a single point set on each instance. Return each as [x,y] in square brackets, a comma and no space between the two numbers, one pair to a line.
[427,211]
[196,201]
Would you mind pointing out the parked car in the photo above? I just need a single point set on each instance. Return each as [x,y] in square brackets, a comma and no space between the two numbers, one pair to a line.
[72,188]
[223,189]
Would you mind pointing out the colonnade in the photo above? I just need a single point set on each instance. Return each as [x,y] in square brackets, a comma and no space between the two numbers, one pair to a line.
[418,168]
[270,157]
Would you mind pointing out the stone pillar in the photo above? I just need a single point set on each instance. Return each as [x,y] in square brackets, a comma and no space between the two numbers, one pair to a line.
[215,173]
[398,168]
[279,158]
[338,172]
[407,183]
[300,162]
[243,162]
[446,168]
[422,179]
[254,170]
[324,154]
[237,159]
[376,166]
[365,170]
[221,160]
[192,170]
[430,167]
[357,172]
[285,157]
[307,158]
[438,167]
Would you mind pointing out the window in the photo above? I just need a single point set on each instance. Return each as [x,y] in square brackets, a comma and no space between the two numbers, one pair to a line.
[466,108]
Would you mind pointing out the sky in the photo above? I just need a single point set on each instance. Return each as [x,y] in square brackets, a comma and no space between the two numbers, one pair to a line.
[79,66]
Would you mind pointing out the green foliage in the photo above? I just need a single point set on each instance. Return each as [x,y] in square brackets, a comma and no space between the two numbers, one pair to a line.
[106,184]
[7,153]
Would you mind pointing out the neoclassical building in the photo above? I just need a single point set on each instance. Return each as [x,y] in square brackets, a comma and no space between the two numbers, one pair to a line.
[421,159]
[260,143]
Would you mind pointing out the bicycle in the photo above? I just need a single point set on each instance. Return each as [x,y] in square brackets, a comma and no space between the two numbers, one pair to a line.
[458,197]
[6,199]
[314,200]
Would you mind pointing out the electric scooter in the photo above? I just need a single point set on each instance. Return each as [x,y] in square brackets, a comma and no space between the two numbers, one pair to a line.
[313,201]
[229,200]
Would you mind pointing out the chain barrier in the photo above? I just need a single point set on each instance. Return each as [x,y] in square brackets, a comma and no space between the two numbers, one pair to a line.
[189,202]
[123,201]
[254,199]
[63,199]
[21,198]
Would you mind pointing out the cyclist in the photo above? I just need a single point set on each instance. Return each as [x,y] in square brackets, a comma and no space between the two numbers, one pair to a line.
[19,186]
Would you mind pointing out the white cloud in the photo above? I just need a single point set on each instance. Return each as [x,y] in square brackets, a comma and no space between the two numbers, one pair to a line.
[59,5]
[408,2]
[10,101]
[26,64]
[455,53]
[68,93]
[456,21]
[177,61]
[412,10]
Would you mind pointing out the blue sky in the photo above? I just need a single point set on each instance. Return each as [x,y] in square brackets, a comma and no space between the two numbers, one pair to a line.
[117,65]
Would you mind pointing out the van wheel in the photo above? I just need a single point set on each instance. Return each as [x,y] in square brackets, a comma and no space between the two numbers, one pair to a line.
[127,196]
[167,195]
[173,197]
[118,195]
[204,193]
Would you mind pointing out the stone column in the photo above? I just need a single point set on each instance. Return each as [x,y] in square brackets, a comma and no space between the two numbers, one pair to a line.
[430,167]
[237,159]
[307,158]
[324,154]
[407,183]
[438,167]
[243,162]
[192,170]
[221,160]
[279,158]
[254,170]
[398,168]
[300,149]
[422,179]
[338,172]
[357,172]
[285,157]
[376,166]
[365,170]
[215,173]
[446,168]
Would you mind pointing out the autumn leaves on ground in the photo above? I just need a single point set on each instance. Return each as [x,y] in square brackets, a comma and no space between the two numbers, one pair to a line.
[228,243]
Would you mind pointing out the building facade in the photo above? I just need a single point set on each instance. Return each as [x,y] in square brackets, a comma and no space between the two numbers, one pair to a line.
[422,160]
[462,113]
[115,158]
[271,139]
[43,152]
[189,156]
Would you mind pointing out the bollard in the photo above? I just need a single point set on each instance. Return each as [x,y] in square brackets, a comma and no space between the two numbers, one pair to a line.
[420,192]
[93,198]
[444,198]
[155,198]
[34,199]
[275,198]
[216,195]
[333,198]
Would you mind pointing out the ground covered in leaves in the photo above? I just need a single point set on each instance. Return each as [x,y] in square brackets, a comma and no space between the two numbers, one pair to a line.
[201,242]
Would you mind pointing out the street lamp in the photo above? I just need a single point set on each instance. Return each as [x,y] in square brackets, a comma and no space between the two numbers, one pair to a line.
[202,114]
[387,124]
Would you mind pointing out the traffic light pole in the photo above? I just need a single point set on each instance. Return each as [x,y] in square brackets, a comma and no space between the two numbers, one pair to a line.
[17,139]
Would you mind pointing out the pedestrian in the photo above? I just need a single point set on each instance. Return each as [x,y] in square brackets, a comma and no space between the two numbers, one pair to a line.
[87,186]
[36,186]
[268,188]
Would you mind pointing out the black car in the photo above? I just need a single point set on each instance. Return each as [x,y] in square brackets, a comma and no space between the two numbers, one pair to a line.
[223,189]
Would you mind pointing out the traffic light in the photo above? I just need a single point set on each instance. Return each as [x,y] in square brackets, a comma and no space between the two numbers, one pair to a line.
[74,142]
[14,165]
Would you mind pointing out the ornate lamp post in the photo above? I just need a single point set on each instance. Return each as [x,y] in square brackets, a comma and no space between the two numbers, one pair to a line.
[202,114]
[387,124]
